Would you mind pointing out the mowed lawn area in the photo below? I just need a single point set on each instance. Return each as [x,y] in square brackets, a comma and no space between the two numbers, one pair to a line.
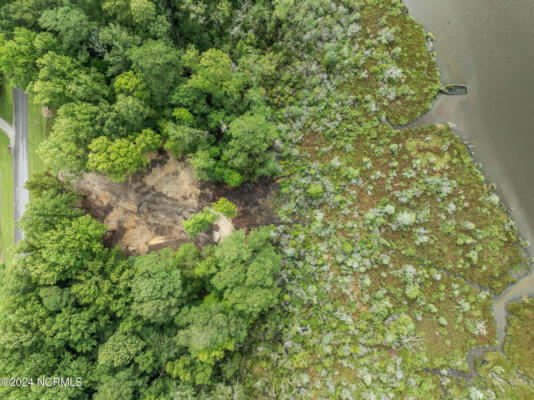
[37,133]
[7,221]
[7,224]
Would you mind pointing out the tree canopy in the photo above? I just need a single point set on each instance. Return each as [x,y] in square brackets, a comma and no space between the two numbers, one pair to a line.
[136,62]
[128,327]
[126,78]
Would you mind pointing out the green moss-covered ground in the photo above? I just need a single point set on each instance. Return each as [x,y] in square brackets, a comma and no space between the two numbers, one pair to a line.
[394,241]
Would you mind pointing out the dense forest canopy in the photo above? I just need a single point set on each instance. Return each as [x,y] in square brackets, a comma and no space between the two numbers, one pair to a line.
[148,326]
[126,78]
[113,69]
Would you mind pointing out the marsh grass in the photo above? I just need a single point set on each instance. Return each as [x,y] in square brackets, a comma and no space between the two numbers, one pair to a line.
[519,345]
[394,242]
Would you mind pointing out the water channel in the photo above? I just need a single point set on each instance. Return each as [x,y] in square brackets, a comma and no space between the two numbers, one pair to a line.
[487,45]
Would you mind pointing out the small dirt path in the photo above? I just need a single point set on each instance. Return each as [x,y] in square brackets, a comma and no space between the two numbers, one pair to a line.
[8,130]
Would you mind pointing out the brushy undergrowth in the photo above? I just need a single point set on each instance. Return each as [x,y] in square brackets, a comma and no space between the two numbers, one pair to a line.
[394,242]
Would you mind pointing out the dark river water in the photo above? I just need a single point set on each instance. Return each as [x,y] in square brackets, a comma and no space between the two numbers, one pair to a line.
[489,46]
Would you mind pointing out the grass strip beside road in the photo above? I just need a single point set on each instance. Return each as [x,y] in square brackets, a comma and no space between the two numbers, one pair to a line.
[37,126]
[37,133]
[7,217]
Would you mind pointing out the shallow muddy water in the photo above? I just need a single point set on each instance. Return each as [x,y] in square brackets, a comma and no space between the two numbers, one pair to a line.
[487,45]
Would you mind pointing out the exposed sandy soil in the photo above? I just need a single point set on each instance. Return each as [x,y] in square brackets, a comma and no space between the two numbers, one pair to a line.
[145,213]
[224,228]
[47,112]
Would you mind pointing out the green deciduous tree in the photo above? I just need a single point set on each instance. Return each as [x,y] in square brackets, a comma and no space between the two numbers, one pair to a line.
[117,10]
[24,13]
[204,22]
[249,148]
[199,222]
[114,42]
[120,386]
[72,27]
[18,57]
[50,209]
[122,157]
[119,350]
[66,250]
[62,79]
[246,270]
[41,182]
[76,125]
[118,158]
[132,114]
[245,153]
[242,273]
[157,288]
[209,330]
[215,92]
[143,11]
[159,65]
[216,75]
[148,141]
[225,101]
[129,84]
[182,139]
[225,207]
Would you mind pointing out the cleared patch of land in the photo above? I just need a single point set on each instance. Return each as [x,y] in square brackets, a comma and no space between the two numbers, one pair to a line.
[145,213]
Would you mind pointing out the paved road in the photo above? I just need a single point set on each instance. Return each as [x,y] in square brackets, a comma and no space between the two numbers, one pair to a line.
[20,156]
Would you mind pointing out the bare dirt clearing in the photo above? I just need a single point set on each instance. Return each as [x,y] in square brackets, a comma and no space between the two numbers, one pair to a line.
[145,213]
